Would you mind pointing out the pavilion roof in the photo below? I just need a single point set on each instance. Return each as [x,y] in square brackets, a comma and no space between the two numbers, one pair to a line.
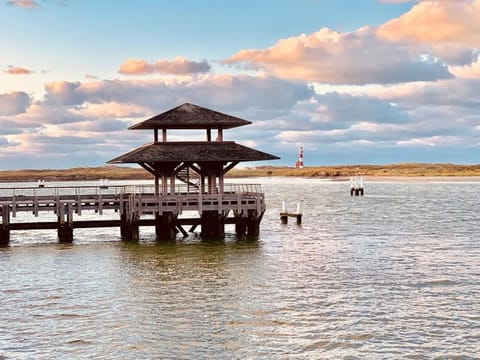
[193,152]
[190,116]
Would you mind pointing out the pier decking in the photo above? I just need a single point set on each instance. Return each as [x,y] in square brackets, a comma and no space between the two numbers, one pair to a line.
[135,206]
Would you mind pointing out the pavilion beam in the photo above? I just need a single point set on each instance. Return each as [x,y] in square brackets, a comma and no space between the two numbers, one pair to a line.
[181,167]
[229,167]
[150,169]
[196,169]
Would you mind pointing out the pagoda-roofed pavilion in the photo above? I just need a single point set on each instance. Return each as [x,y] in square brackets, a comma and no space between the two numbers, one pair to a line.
[184,168]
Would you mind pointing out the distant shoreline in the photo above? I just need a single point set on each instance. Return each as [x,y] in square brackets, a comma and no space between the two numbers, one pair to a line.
[400,172]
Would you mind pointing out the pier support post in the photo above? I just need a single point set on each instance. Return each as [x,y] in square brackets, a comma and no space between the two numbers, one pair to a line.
[65,226]
[253,223]
[240,224]
[4,235]
[130,227]
[65,233]
[165,226]
[213,224]
[5,226]
[123,225]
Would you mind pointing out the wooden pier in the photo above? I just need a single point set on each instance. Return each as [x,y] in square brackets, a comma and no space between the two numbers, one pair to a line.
[136,206]
[188,177]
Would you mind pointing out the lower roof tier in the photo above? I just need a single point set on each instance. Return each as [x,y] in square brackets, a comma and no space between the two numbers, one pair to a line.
[192,152]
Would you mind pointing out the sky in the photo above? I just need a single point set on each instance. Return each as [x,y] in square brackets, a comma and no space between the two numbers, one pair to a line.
[351,81]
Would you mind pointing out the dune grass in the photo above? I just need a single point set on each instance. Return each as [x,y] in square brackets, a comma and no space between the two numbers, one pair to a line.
[132,173]
[409,170]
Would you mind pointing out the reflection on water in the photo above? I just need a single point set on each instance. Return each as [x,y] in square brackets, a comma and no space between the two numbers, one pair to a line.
[393,274]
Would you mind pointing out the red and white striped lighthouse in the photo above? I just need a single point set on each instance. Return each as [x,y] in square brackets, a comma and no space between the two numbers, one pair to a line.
[299,164]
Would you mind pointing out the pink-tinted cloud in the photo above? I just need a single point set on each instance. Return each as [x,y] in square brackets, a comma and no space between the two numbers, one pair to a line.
[178,66]
[14,103]
[17,70]
[437,22]
[411,1]
[471,71]
[27,4]
[327,56]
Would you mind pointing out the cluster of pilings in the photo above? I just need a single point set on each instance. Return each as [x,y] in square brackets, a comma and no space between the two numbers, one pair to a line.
[168,225]
[356,186]
[284,214]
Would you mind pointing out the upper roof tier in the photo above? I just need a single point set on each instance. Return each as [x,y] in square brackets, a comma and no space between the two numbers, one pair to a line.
[190,116]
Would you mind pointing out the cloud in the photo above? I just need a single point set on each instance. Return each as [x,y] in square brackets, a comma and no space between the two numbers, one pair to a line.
[471,71]
[358,57]
[178,66]
[225,92]
[98,126]
[111,110]
[437,22]
[64,93]
[27,4]
[460,93]
[410,1]
[17,70]
[14,103]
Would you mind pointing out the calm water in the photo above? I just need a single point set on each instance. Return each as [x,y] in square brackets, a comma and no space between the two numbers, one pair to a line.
[393,274]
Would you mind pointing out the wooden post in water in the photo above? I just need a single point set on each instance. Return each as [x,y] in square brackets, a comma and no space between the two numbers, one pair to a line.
[213,224]
[65,224]
[132,228]
[284,213]
[299,213]
[240,223]
[5,226]
[253,223]
[165,225]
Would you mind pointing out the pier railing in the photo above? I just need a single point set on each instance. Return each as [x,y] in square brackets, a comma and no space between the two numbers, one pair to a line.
[139,199]
[35,191]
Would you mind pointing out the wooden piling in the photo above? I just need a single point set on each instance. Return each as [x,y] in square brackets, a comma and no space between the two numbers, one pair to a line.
[213,224]
[165,226]
[65,224]
[131,228]
[5,226]
[253,223]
